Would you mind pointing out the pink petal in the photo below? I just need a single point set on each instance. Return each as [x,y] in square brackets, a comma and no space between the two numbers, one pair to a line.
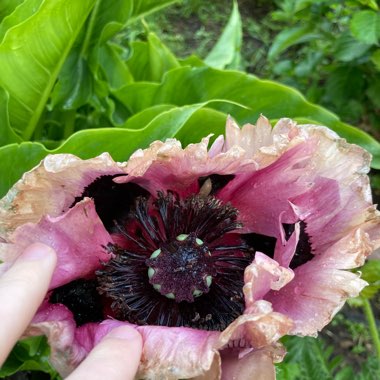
[78,236]
[51,188]
[256,365]
[263,275]
[166,166]
[314,296]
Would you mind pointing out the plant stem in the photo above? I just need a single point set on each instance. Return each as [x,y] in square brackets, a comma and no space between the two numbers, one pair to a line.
[372,325]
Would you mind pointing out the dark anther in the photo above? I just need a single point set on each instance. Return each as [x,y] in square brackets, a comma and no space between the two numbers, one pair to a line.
[182,264]
[218,181]
[304,251]
[262,243]
[267,244]
[112,200]
[82,299]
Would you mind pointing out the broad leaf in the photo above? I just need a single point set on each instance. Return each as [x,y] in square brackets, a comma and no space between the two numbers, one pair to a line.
[226,52]
[32,54]
[185,86]
[365,26]
[348,48]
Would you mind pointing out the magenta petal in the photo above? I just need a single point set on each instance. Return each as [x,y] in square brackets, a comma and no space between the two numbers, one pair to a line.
[78,236]
[272,186]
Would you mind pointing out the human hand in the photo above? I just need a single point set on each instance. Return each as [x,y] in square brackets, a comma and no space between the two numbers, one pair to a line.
[22,289]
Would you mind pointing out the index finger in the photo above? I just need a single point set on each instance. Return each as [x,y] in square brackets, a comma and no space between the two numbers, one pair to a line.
[22,289]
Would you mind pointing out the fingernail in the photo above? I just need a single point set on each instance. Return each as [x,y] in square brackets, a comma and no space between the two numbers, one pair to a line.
[37,251]
[124,332]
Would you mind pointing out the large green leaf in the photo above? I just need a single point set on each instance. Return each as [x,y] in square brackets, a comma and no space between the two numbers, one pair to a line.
[32,54]
[185,86]
[226,52]
[365,26]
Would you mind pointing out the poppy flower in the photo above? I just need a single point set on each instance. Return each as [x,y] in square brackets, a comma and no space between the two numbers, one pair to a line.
[212,253]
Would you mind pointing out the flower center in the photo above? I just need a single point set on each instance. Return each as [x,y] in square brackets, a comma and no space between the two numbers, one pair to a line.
[177,262]
[182,269]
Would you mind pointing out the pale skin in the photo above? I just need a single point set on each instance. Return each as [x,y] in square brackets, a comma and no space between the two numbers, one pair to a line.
[22,289]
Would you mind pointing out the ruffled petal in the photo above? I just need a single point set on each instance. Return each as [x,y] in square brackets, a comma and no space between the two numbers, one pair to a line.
[166,166]
[78,236]
[51,188]
[313,298]
[256,365]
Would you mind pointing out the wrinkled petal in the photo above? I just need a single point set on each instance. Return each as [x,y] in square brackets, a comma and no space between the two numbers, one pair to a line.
[78,236]
[263,275]
[313,298]
[165,165]
[258,327]
[51,188]
[256,365]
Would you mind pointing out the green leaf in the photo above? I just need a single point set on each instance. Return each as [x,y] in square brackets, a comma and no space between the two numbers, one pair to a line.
[371,273]
[348,48]
[7,7]
[370,3]
[226,52]
[7,135]
[185,86]
[375,58]
[365,26]
[151,60]
[32,54]
[373,92]
[161,58]
[29,354]
[110,16]
[289,37]
[114,67]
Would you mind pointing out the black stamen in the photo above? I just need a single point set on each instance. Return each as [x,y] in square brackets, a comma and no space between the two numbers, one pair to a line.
[218,181]
[304,251]
[156,225]
[82,299]
[108,196]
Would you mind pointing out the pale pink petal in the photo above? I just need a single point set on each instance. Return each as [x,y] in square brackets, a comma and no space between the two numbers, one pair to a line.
[51,188]
[166,166]
[250,137]
[258,327]
[256,365]
[78,236]
[314,296]
[263,275]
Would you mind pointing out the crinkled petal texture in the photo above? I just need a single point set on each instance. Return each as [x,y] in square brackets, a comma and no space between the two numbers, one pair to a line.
[304,176]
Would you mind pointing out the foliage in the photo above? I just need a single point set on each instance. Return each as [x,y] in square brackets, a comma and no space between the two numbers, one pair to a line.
[310,358]
[29,355]
[329,51]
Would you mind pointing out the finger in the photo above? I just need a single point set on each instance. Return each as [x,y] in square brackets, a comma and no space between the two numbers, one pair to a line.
[116,357]
[22,289]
